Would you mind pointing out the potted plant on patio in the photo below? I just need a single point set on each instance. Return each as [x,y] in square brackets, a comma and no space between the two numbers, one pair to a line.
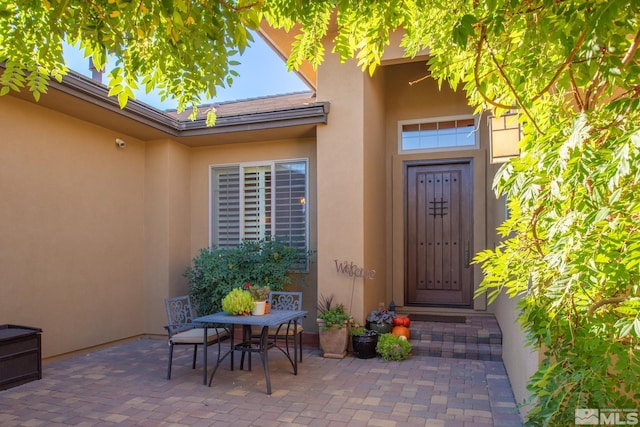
[260,295]
[238,302]
[333,325]
[393,347]
[364,341]
[381,320]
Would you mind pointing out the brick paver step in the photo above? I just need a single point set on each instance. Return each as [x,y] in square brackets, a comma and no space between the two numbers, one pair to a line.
[478,338]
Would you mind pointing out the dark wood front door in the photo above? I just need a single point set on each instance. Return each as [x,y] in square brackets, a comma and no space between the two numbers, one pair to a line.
[439,222]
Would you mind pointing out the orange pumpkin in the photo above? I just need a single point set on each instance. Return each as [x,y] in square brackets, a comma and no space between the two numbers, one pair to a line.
[401,320]
[401,331]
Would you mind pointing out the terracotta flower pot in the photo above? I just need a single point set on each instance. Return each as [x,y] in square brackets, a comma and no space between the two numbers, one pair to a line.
[334,342]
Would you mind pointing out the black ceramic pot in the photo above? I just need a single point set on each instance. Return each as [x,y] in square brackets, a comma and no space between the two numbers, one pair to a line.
[364,346]
[380,328]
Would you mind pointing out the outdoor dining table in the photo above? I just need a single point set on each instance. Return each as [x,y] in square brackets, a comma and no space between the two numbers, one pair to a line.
[249,345]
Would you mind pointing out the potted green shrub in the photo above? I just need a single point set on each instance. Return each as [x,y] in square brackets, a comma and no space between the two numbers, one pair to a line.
[381,321]
[333,325]
[364,342]
[393,347]
[238,302]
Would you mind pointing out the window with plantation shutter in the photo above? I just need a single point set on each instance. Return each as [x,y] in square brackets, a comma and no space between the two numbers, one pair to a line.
[291,203]
[260,201]
[256,221]
[225,206]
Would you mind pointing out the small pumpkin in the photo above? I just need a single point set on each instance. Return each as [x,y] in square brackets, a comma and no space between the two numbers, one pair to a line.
[401,331]
[401,321]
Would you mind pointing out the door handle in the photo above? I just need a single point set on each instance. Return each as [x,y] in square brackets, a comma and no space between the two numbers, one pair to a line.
[467,254]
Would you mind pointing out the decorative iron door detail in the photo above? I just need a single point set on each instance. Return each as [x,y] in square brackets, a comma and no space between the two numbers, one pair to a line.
[438,207]
[438,234]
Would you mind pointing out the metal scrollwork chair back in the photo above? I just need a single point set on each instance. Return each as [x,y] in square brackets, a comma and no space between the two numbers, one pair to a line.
[182,330]
[279,300]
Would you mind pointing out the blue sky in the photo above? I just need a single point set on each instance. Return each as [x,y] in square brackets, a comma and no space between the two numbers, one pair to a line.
[262,73]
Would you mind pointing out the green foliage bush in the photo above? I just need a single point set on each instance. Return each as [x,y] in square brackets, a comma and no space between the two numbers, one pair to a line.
[238,301]
[571,254]
[216,271]
[393,347]
[331,314]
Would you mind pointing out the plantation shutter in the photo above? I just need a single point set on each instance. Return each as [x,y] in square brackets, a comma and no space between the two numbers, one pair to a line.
[257,202]
[260,202]
[291,204]
[225,206]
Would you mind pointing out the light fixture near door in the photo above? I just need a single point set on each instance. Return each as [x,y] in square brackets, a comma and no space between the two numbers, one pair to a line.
[504,135]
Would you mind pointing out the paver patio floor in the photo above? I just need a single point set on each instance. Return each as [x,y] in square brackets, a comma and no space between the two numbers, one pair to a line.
[125,385]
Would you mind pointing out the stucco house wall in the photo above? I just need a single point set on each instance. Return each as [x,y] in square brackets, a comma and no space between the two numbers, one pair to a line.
[375,291]
[167,208]
[72,228]
[341,182]
[520,360]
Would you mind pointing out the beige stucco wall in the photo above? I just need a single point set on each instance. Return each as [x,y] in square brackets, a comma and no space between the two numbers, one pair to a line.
[375,291]
[351,210]
[71,228]
[167,227]
[520,361]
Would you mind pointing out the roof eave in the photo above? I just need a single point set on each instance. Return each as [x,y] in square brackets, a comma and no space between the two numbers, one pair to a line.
[86,90]
[307,115]
[96,93]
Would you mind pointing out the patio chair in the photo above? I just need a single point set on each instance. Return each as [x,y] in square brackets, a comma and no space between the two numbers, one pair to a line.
[182,330]
[279,300]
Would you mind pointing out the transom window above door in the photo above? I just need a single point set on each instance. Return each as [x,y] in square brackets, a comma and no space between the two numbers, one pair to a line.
[260,201]
[444,133]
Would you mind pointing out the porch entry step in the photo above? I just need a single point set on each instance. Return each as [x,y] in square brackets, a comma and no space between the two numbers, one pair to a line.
[478,338]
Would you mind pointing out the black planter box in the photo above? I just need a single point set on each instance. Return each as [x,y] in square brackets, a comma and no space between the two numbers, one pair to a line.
[20,355]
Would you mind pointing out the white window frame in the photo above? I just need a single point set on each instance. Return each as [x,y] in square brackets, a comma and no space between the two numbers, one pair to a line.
[272,164]
[474,146]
